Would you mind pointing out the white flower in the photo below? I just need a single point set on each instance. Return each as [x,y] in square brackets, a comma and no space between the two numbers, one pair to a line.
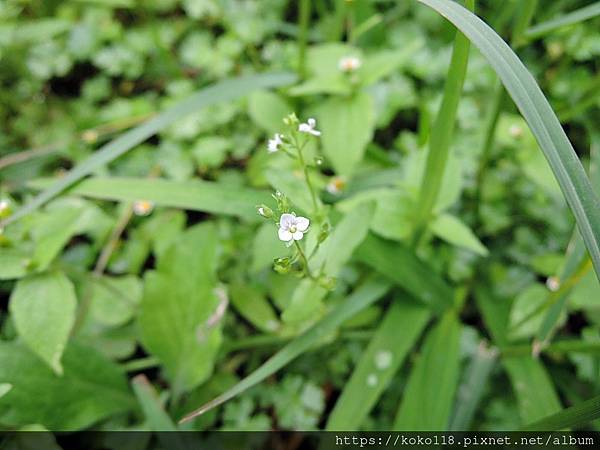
[336,185]
[275,143]
[142,207]
[292,227]
[553,283]
[309,127]
[349,63]
[3,205]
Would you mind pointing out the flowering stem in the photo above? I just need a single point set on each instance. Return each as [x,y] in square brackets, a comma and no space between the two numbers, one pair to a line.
[313,195]
[304,260]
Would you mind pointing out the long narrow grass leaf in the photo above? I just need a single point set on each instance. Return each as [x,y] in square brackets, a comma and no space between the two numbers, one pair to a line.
[369,292]
[403,267]
[442,131]
[429,394]
[196,195]
[572,417]
[579,15]
[219,92]
[544,124]
[388,348]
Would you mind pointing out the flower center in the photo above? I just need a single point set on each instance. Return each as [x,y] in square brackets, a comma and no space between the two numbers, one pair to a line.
[293,228]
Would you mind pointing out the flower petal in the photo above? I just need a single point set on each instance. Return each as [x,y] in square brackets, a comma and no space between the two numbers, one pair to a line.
[315,132]
[312,122]
[298,235]
[287,220]
[302,223]
[304,128]
[285,235]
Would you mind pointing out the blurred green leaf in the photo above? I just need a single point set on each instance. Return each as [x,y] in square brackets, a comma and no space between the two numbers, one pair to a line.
[347,125]
[452,230]
[90,389]
[366,294]
[219,92]
[429,394]
[254,307]
[267,110]
[378,364]
[43,308]
[178,301]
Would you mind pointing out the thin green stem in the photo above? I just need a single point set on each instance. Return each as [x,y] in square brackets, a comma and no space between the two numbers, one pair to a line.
[304,260]
[442,133]
[303,22]
[313,195]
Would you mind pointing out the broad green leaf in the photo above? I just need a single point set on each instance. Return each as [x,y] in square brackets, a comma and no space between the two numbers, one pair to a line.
[90,389]
[306,303]
[579,15]
[293,186]
[404,268]
[383,63]
[43,308]
[197,195]
[345,237]
[573,417]
[366,294]
[524,321]
[225,90]
[14,263]
[347,125]
[254,307]
[179,299]
[495,312]
[452,230]
[114,299]
[267,110]
[429,394]
[541,119]
[378,364]
[532,386]
[52,230]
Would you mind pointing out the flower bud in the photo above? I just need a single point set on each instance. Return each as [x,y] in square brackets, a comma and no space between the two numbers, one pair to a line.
[291,119]
[283,204]
[324,232]
[264,211]
[327,282]
[282,265]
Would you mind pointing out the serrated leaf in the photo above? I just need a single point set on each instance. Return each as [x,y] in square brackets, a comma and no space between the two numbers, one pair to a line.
[43,309]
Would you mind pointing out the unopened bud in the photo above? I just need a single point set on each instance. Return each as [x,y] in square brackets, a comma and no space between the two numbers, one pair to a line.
[327,282]
[264,211]
[282,265]
[324,232]
[291,119]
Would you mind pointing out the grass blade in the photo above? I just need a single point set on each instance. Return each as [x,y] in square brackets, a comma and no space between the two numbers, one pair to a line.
[541,119]
[195,195]
[471,390]
[402,266]
[372,290]
[381,360]
[579,15]
[442,131]
[572,417]
[219,92]
[532,386]
[428,397]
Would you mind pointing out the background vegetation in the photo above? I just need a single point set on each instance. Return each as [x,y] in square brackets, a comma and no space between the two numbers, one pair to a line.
[136,275]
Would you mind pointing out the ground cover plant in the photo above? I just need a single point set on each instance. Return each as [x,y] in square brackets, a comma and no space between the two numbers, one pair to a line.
[299,215]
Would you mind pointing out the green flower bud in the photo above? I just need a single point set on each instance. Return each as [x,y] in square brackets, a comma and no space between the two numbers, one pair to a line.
[282,265]
[264,211]
[327,282]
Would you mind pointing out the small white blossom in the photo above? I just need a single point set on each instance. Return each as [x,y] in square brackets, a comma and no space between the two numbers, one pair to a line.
[309,127]
[336,185]
[292,228]
[515,131]
[349,64]
[3,205]
[274,143]
[142,207]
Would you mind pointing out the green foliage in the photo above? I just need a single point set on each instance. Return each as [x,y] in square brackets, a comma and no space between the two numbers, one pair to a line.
[434,270]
